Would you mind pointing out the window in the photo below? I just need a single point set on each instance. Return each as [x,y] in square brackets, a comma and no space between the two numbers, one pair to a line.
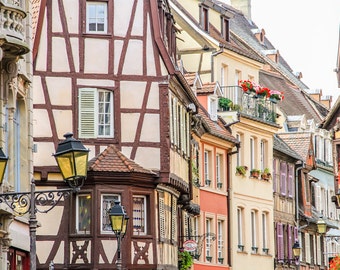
[220,239]
[95,113]
[219,163]
[83,215]
[108,201]
[213,105]
[204,18]
[207,164]
[179,125]
[139,215]
[208,240]
[290,181]
[239,137]
[252,153]
[253,231]
[18,260]
[264,233]
[96,17]
[225,28]
[263,155]
[240,229]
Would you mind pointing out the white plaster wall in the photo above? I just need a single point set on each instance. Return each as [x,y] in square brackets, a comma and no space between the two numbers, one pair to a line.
[150,58]
[41,122]
[43,156]
[129,122]
[42,54]
[72,11]
[96,56]
[56,21]
[117,53]
[97,83]
[148,157]
[59,55]
[43,250]
[63,120]
[133,63]
[150,130]
[75,52]
[132,94]
[137,27]
[153,101]
[59,90]
[122,16]
[46,226]
[109,247]
[38,96]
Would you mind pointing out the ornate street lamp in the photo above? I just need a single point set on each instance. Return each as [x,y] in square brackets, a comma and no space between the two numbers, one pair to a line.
[296,249]
[71,156]
[3,165]
[322,226]
[119,221]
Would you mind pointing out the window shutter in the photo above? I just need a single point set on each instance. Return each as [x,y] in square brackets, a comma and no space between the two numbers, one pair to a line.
[280,242]
[307,249]
[290,242]
[161,209]
[87,121]
[171,120]
[173,218]
[283,171]
[213,109]
[290,181]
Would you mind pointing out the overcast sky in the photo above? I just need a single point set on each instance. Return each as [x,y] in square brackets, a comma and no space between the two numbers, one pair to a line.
[306,33]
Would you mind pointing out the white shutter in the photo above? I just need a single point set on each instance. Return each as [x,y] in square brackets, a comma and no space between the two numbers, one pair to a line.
[213,109]
[307,248]
[87,119]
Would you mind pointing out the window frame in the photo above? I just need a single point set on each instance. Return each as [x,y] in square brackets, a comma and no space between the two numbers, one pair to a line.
[77,230]
[89,111]
[240,225]
[253,222]
[145,216]
[204,18]
[104,4]
[225,25]
[102,231]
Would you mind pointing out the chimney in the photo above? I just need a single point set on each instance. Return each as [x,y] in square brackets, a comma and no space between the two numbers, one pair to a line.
[244,6]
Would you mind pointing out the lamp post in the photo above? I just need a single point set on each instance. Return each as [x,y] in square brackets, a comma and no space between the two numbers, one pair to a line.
[296,253]
[71,156]
[119,221]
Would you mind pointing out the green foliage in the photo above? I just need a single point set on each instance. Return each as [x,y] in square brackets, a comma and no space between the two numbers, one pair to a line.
[242,170]
[225,103]
[185,260]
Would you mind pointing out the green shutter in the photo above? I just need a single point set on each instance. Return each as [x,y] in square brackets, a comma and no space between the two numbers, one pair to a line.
[87,121]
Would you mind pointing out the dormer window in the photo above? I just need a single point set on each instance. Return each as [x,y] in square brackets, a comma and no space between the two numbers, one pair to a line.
[225,28]
[204,18]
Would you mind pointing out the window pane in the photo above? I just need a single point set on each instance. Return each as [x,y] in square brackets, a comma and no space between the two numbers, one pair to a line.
[139,221]
[83,213]
[108,201]
[96,17]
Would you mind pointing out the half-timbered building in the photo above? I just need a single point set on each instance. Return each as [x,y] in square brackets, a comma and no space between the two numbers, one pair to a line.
[107,72]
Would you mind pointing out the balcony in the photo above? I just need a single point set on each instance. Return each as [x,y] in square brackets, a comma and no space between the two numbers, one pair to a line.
[250,104]
[12,28]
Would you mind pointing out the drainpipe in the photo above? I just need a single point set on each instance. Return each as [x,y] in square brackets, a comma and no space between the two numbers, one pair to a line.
[238,145]
[215,53]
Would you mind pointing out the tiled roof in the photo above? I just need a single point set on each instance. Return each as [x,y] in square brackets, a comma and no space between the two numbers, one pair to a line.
[296,102]
[281,146]
[190,77]
[35,15]
[207,88]
[112,160]
[300,142]
[216,128]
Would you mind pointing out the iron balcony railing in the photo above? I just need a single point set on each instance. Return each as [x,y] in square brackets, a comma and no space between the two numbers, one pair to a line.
[251,104]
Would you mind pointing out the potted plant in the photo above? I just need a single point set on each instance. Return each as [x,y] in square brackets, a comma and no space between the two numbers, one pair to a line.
[220,260]
[275,96]
[241,170]
[225,103]
[185,260]
[266,175]
[209,258]
[255,173]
